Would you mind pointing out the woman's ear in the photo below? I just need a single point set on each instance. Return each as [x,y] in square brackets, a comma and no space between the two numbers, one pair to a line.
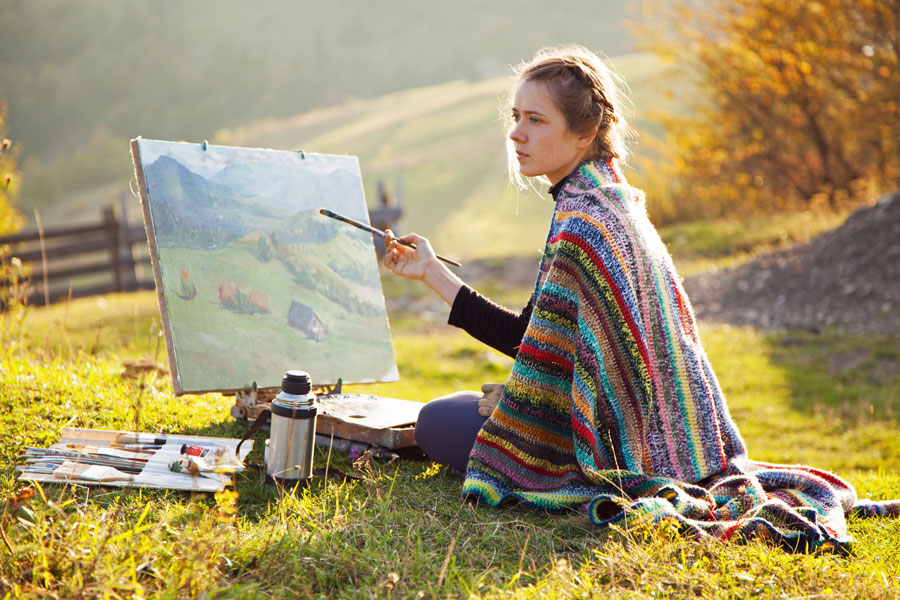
[585,140]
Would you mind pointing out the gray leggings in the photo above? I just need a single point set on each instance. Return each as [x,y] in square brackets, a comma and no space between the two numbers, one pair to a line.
[447,427]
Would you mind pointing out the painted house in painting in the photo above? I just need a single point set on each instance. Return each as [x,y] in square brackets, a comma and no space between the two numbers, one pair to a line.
[306,320]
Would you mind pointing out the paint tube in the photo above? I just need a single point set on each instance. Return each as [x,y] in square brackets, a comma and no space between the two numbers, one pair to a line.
[192,450]
[192,465]
[215,456]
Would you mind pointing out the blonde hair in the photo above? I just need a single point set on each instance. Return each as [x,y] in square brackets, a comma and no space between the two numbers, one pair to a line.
[588,94]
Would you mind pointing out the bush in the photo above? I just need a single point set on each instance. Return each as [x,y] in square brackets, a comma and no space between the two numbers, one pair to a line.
[11,220]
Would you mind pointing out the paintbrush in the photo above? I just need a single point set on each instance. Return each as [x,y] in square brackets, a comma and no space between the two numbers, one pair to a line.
[117,452]
[156,439]
[73,471]
[36,453]
[379,233]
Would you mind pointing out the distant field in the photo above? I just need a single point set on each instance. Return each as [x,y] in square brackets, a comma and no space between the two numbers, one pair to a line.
[442,147]
[446,143]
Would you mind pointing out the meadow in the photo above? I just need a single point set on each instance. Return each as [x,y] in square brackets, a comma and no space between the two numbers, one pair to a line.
[401,530]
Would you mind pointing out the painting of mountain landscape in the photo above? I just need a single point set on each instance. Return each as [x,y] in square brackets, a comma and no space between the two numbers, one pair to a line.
[251,279]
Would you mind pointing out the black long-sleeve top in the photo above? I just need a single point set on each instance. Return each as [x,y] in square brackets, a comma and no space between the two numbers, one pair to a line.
[488,322]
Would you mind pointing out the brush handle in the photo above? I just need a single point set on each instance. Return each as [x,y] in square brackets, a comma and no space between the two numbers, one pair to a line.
[98,473]
[379,233]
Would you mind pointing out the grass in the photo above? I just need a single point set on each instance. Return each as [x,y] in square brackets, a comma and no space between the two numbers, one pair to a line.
[701,245]
[402,531]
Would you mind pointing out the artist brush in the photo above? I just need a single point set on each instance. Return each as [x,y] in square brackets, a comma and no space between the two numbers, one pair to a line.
[95,458]
[147,448]
[48,470]
[91,451]
[80,473]
[88,460]
[379,233]
[50,467]
[115,450]
[141,438]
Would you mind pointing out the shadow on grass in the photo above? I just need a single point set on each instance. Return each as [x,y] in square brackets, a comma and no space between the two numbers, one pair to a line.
[853,377]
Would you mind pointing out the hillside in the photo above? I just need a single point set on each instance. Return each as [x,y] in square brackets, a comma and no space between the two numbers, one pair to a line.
[182,70]
[848,277]
[441,147]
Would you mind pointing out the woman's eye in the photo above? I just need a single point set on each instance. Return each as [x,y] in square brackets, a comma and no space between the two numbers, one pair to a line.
[515,118]
[534,120]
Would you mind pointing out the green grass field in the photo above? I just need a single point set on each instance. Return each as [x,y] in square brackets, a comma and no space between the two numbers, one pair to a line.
[827,399]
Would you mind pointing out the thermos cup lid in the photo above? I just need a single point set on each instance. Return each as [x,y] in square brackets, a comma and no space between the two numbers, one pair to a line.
[296,382]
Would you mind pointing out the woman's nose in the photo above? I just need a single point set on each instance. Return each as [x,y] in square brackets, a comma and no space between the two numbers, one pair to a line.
[515,134]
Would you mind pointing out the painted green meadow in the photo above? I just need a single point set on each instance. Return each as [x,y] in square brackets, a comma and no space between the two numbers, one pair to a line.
[357,344]
[400,530]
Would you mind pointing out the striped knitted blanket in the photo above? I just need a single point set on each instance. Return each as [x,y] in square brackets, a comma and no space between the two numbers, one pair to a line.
[612,406]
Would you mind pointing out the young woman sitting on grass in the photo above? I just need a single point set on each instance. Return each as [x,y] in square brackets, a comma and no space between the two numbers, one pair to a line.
[612,406]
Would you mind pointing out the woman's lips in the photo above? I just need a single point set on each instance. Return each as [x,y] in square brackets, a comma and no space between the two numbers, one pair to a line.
[520,155]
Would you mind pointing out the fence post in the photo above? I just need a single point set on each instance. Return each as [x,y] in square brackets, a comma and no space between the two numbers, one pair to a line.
[128,266]
[44,267]
[112,230]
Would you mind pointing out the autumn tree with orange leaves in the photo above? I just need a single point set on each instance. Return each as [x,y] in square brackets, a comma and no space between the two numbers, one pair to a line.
[791,104]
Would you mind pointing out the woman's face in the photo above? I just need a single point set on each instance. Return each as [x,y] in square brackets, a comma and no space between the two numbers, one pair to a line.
[544,143]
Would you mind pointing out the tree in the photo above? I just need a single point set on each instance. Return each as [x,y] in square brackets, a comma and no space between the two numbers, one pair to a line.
[791,102]
[10,219]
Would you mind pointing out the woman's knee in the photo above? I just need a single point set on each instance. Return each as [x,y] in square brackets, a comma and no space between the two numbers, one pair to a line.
[447,427]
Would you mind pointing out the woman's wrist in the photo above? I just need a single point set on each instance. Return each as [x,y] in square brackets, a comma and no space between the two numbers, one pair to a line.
[442,280]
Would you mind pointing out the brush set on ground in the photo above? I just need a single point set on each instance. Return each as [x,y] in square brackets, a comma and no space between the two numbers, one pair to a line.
[94,457]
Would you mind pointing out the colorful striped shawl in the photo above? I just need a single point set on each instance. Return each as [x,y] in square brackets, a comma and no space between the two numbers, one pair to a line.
[612,405]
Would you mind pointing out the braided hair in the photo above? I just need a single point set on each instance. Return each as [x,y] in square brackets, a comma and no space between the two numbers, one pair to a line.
[588,94]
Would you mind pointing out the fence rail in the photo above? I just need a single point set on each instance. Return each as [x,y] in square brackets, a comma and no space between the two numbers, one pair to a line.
[100,257]
[82,260]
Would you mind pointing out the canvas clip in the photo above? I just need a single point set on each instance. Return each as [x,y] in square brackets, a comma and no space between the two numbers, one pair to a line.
[328,390]
[248,404]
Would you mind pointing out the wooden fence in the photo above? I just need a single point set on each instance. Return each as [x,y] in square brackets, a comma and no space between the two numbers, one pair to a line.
[83,260]
[103,257]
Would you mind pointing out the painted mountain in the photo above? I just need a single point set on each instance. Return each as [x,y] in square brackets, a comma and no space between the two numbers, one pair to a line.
[294,188]
[191,211]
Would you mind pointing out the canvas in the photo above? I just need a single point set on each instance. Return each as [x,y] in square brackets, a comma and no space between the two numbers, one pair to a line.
[251,279]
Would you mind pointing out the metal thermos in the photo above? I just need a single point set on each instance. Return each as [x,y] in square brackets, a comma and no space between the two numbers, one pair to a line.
[289,449]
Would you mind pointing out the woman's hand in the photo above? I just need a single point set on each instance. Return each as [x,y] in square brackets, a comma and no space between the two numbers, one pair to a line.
[420,264]
[405,261]
[490,399]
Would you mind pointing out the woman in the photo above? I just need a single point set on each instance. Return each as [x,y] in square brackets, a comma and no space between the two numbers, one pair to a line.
[612,406]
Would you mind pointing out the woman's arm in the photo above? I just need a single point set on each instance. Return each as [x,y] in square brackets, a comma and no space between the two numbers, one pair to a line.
[481,318]
[488,322]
